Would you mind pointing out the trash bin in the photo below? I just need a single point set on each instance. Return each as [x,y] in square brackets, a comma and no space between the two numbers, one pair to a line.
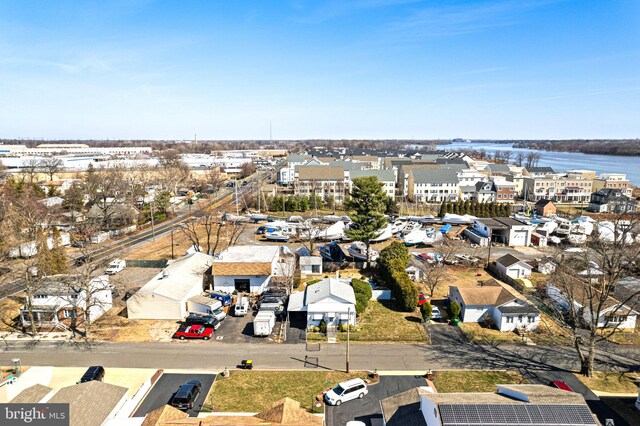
[455,321]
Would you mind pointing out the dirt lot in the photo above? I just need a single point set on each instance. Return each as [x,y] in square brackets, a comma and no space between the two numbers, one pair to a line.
[9,312]
[114,327]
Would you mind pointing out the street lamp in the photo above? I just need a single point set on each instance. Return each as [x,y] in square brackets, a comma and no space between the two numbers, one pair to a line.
[17,367]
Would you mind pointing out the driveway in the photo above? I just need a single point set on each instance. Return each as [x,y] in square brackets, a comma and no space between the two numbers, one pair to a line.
[367,409]
[442,333]
[164,389]
[597,406]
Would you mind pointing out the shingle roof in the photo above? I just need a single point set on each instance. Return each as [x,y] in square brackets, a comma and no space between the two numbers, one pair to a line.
[509,259]
[320,172]
[32,394]
[241,268]
[543,202]
[403,409]
[484,296]
[540,170]
[320,291]
[381,175]
[296,158]
[499,168]
[435,175]
[91,402]
[524,309]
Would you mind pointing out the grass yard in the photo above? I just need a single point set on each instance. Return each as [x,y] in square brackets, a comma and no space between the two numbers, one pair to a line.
[550,333]
[112,327]
[610,382]
[475,333]
[624,337]
[9,312]
[255,391]
[380,323]
[474,381]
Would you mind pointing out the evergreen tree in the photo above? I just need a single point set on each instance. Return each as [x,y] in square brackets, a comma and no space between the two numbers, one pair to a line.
[58,257]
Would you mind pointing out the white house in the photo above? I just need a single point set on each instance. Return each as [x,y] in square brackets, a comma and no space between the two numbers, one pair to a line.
[246,269]
[613,314]
[166,295]
[513,267]
[62,300]
[331,300]
[491,300]
[414,272]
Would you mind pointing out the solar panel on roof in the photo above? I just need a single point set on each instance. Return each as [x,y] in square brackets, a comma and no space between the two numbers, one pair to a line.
[515,414]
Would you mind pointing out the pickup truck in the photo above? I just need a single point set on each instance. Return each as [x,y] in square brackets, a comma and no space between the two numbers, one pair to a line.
[195,331]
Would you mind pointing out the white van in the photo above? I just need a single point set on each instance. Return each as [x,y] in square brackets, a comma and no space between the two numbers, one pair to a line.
[346,391]
[115,266]
[241,307]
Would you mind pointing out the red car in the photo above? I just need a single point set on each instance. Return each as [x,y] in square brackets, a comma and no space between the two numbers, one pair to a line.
[422,299]
[561,385]
[195,331]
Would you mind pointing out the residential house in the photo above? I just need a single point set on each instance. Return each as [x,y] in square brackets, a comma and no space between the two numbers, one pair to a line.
[433,185]
[505,190]
[166,295]
[546,266]
[512,405]
[386,177]
[504,230]
[492,301]
[611,201]
[63,301]
[614,314]
[322,181]
[513,267]
[331,300]
[498,169]
[544,207]
[540,171]
[113,215]
[52,201]
[414,272]
[467,193]
[485,192]
[247,269]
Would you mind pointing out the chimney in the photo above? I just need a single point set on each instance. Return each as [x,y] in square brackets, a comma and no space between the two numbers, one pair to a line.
[337,274]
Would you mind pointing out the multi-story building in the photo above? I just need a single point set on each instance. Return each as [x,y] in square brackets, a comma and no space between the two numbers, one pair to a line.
[505,190]
[385,176]
[433,185]
[611,201]
[613,181]
[323,181]
[367,161]
[286,175]
[560,188]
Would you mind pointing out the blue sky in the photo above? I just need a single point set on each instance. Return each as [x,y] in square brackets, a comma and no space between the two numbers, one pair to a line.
[320,69]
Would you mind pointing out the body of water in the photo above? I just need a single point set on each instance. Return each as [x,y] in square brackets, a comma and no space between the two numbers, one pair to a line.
[563,161]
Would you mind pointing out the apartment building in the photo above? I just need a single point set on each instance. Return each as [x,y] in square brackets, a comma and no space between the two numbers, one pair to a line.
[433,185]
[572,188]
[613,181]
[385,176]
[323,181]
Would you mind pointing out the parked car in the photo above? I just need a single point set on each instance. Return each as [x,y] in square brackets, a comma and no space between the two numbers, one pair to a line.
[193,332]
[116,265]
[346,391]
[82,260]
[95,372]
[561,385]
[80,243]
[206,320]
[422,299]
[435,313]
[185,397]
[219,314]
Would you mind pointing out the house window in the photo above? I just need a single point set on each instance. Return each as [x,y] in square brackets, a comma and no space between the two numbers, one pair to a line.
[69,313]
[531,319]
[519,318]
[509,320]
[74,296]
[315,269]
[616,318]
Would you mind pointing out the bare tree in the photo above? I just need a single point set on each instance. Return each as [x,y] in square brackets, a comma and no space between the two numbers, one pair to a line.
[30,168]
[247,170]
[434,276]
[533,158]
[520,157]
[50,166]
[583,284]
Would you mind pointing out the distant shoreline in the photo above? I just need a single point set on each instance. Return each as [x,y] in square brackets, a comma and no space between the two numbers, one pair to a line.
[622,147]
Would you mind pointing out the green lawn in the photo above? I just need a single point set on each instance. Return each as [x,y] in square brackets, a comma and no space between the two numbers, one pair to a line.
[474,381]
[255,391]
[380,323]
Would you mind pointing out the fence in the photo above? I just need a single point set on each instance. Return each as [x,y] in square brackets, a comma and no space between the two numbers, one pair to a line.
[144,263]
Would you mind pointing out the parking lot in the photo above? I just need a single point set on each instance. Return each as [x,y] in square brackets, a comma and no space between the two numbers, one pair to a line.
[164,389]
[240,330]
[367,409]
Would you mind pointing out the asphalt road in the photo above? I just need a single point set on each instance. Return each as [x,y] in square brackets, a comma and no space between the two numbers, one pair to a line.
[167,385]
[367,409]
[407,357]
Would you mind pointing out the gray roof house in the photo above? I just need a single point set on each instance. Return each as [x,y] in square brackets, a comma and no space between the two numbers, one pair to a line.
[331,300]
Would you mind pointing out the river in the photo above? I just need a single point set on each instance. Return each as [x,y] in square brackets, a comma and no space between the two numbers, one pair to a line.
[562,161]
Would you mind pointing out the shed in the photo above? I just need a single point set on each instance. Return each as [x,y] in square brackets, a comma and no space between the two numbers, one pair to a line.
[310,265]
[513,267]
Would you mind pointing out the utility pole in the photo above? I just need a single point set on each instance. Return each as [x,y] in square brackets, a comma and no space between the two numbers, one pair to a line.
[153,230]
[172,256]
[348,327]
[489,252]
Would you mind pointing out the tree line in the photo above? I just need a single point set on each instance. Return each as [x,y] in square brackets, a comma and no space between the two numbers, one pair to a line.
[475,208]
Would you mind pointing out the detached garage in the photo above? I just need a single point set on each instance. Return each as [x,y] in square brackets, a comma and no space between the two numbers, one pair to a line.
[513,267]
[167,294]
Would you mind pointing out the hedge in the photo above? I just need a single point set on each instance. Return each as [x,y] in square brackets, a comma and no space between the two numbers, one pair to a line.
[393,261]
